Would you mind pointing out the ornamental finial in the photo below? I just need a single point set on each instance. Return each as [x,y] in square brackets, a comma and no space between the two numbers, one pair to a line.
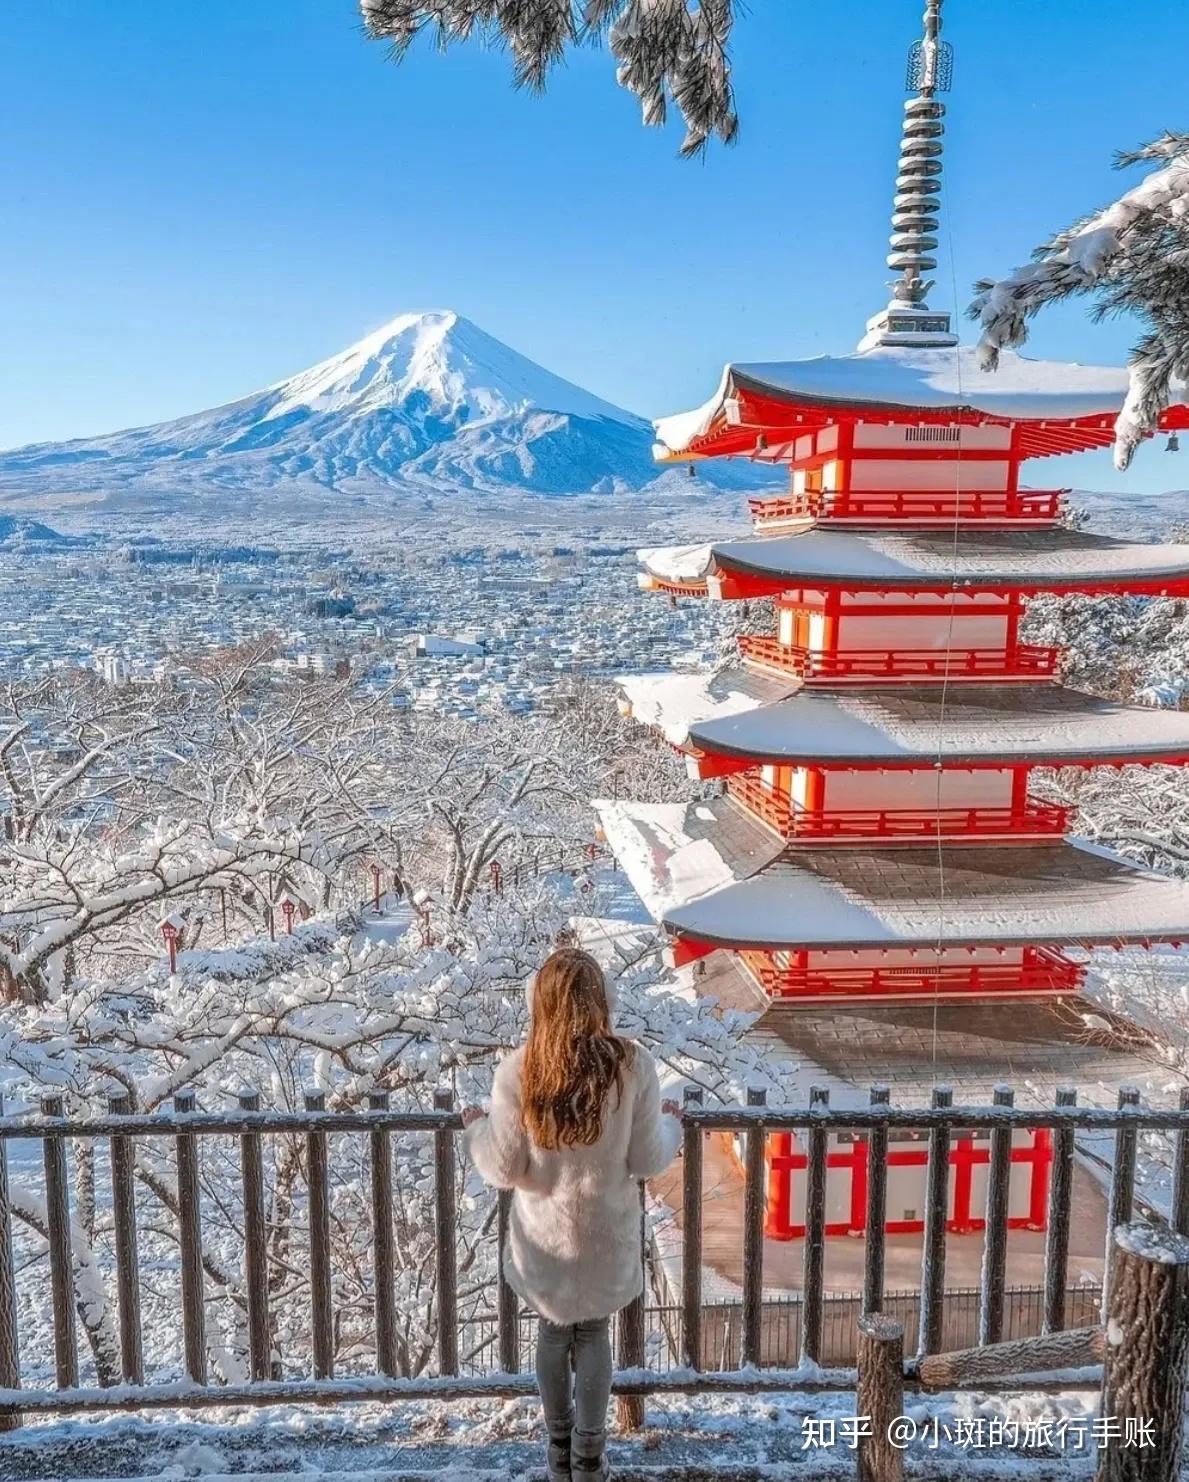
[908,320]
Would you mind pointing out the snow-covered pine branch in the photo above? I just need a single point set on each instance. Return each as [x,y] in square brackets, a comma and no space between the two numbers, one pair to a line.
[1132,257]
[666,49]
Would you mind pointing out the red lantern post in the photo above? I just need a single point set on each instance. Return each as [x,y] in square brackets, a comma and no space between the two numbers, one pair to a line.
[171,932]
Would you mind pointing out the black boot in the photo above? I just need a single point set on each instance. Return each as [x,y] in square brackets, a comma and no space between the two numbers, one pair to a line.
[590,1468]
[559,1460]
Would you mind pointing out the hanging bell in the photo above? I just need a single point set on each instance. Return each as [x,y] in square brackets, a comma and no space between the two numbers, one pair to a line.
[1173,445]
[761,443]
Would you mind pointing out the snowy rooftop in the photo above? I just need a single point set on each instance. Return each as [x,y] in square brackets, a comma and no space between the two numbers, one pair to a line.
[1012,723]
[674,852]
[1036,1045]
[1049,560]
[707,871]
[671,703]
[910,379]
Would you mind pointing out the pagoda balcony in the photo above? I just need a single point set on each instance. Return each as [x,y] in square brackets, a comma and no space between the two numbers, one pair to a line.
[879,666]
[926,507]
[1042,971]
[1033,818]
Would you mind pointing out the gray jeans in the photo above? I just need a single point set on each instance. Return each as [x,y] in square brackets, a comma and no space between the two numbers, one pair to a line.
[574,1377]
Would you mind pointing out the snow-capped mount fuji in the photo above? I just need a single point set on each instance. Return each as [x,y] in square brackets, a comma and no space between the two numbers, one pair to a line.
[430,402]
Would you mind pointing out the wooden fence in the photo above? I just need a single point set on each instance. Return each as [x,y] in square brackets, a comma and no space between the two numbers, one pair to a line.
[707,1362]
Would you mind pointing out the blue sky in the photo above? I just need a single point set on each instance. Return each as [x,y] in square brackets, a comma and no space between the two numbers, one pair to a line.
[203,199]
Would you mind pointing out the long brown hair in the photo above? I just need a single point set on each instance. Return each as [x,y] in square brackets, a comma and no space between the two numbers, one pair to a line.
[573,1057]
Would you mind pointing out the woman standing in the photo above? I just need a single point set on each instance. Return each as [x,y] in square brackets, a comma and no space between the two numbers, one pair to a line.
[576,1122]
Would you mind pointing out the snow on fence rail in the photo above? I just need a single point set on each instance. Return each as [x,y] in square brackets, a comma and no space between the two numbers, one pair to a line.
[695,1328]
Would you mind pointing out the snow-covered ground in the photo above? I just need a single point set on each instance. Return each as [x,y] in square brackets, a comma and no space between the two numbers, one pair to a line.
[736,1439]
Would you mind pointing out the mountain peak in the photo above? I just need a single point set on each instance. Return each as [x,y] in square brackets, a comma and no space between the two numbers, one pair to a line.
[442,360]
[427,403]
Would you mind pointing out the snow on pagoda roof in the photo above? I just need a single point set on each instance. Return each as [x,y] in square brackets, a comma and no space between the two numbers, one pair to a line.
[701,870]
[997,896]
[1038,1045]
[671,703]
[891,378]
[1043,724]
[1050,560]
[674,852]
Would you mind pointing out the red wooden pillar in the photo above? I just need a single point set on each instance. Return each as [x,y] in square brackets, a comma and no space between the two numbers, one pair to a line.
[858,1186]
[778,1224]
[963,1156]
[1038,1191]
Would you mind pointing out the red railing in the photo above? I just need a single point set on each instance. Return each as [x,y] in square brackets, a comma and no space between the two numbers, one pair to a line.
[774,806]
[1034,817]
[771,805]
[1042,970]
[1024,661]
[924,504]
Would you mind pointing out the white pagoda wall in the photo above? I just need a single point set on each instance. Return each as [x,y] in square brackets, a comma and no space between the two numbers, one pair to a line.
[943,474]
[934,631]
[982,438]
[906,1185]
[859,467]
[922,958]
[917,789]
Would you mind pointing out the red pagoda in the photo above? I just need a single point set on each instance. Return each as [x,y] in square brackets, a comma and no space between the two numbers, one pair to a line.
[878,842]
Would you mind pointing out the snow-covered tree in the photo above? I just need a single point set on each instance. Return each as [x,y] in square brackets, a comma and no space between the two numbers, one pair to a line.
[350,1012]
[209,799]
[203,795]
[667,50]
[1132,257]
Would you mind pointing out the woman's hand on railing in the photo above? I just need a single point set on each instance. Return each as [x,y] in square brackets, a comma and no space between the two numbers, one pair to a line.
[472,1114]
[673,1108]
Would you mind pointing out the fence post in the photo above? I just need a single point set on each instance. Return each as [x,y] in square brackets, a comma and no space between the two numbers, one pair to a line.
[255,1244]
[937,1184]
[507,1302]
[753,1237]
[1057,1237]
[321,1301]
[57,1204]
[629,1409]
[10,1362]
[879,1397]
[812,1299]
[1143,1373]
[1180,1174]
[990,1315]
[384,1296]
[446,1218]
[190,1243]
[1121,1199]
[691,1235]
[123,1162]
[877,1207]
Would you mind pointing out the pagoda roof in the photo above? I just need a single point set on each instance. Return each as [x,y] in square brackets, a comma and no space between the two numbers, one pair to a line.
[903,384]
[1012,560]
[1045,725]
[711,874]
[1037,1045]
[672,703]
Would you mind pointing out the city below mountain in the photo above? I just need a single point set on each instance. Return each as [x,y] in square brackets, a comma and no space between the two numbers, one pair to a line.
[428,404]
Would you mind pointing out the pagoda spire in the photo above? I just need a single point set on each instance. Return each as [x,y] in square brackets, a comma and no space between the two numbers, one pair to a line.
[908,320]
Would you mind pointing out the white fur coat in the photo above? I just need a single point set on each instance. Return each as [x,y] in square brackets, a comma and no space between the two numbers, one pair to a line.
[573,1249]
